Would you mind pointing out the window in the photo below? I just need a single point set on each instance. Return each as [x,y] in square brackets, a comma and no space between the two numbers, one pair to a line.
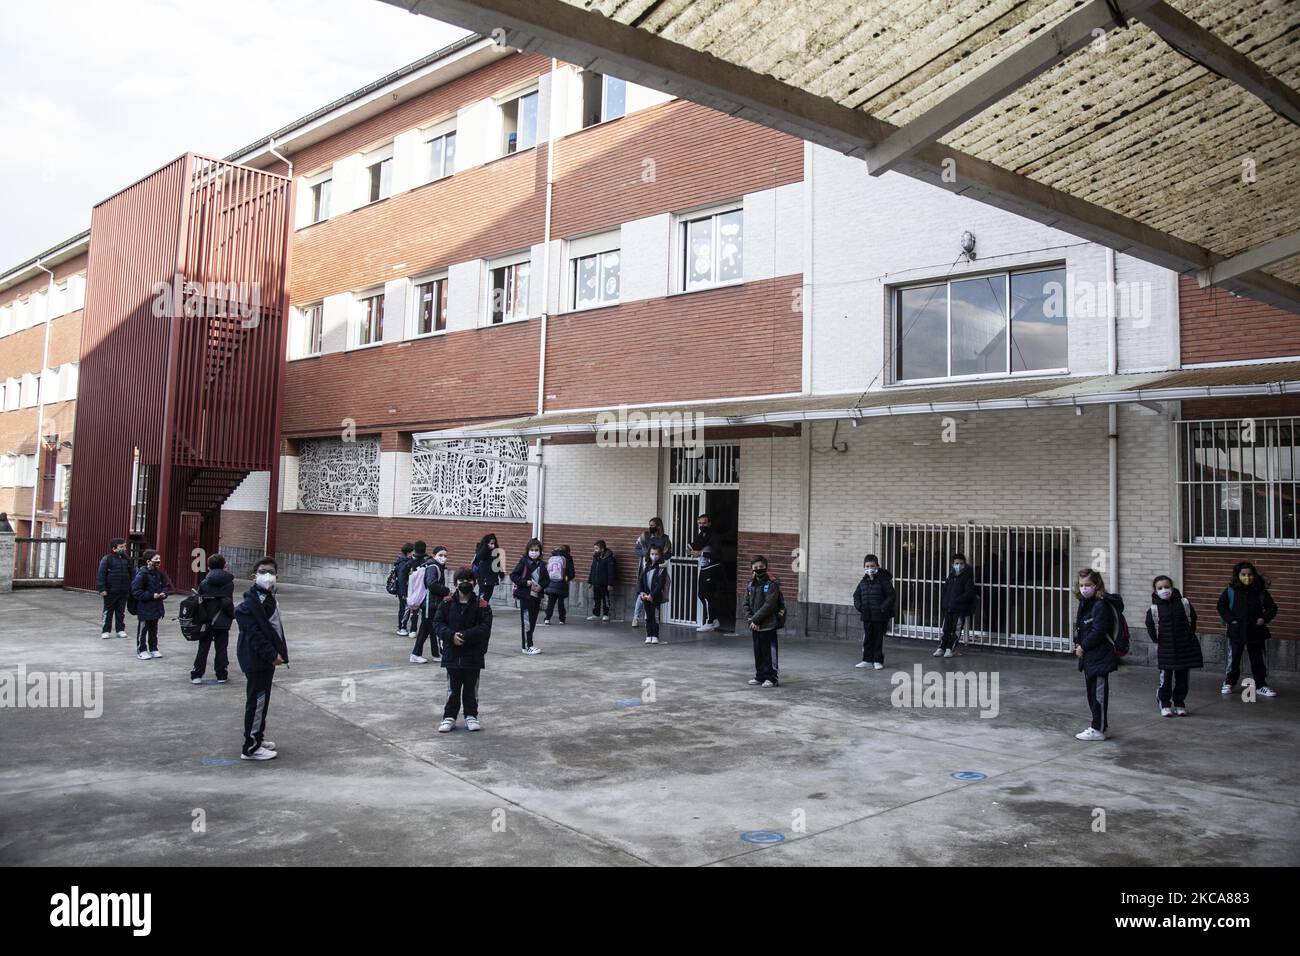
[1238,480]
[595,279]
[603,98]
[379,174]
[311,327]
[430,306]
[519,123]
[442,154]
[320,200]
[509,292]
[989,325]
[12,394]
[712,249]
[141,481]
[370,319]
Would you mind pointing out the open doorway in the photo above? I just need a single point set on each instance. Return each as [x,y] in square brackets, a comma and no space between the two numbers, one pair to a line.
[723,508]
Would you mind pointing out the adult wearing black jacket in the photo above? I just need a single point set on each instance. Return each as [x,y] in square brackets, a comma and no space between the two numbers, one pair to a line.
[262,648]
[1171,625]
[113,582]
[462,625]
[874,600]
[486,566]
[1245,608]
[150,588]
[217,592]
[703,548]
[957,597]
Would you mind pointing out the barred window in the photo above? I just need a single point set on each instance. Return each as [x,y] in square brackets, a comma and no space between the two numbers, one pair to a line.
[1238,480]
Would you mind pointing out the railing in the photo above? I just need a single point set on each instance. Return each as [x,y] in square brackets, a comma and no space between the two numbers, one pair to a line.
[39,561]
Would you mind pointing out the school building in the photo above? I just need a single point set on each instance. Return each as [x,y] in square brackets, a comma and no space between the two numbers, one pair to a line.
[503,269]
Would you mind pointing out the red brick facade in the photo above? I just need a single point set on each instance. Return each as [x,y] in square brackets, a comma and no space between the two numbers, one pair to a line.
[1217,326]
[778,548]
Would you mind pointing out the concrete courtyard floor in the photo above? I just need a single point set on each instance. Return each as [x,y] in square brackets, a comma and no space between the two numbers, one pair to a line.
[573,768]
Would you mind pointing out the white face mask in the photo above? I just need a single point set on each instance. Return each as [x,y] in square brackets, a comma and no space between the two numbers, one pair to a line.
[440,558]
[265,580]
[534,554]
[1165,593]
[871,572]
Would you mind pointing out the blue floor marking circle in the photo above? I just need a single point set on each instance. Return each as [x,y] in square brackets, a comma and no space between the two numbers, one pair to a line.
[762,836]
[968,775]
[217,761]
[633,702]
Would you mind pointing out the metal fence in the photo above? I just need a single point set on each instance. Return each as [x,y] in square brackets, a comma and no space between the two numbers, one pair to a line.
[1023,573]
[39,560]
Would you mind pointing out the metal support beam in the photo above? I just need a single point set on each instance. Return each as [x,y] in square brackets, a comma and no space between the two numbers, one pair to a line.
[1197,43]
[591,40]
[1004,77]
[1270,252]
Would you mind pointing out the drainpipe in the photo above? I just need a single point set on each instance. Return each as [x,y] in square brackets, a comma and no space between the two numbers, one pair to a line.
[538,520]
[40,392]
[1112,421]
[273,479]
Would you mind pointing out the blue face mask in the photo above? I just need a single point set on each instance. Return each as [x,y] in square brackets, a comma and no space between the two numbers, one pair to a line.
[957,568]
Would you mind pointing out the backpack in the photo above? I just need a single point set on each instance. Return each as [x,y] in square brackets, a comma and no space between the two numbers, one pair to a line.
[415,590]
[556,567]
[1155,614]
[193,617]
[1120,640]
[391,584]
[780,610]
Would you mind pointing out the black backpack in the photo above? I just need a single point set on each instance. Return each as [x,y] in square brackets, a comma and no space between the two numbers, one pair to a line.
[193,618]
[391,584]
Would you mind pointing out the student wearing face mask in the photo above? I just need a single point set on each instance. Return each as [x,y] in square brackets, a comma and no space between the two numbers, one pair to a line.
[426,590]
[763,612]
[601,577]
[1171,624]
[653,535]
[486,565]
[651,592]
[1245,608]
[462,624]
[957,597]
[1094,626]
[261,649]
[113,582]
[150,588]
[703,548]
[874,600]
[530,580]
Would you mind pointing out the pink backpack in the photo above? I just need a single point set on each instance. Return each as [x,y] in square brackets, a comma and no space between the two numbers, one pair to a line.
[556,567]
[415,589]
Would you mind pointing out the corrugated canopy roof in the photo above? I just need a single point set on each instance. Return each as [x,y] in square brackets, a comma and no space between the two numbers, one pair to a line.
[1172,137]
[1270,378]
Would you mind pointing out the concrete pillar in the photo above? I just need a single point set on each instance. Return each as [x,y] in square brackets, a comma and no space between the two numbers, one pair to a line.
[6,554]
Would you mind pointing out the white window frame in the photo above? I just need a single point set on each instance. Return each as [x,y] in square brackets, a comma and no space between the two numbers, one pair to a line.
[376,157]
[324,176]
[895,381]
[681,223]
[427,136]
[502,263]
[413,313]
[600,244]
[302,315]
[505,100]
[358,318]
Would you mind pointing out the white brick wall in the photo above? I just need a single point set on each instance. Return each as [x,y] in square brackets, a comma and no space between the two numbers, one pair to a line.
[770,499]
[251,494]
[588,484]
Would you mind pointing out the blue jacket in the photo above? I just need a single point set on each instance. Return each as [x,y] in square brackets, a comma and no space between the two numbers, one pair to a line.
[114,574]
[143,588]
[259,641]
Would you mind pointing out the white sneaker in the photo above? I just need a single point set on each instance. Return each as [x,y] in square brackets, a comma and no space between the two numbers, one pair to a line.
[603,617]
[878,666]
[121,633]
[711,626]
[403,632]
[417,659]
[106,635]
[767,683]
[1090,734]
[1180,711]
[446,725]
[1225,689]
[261,753]
[142,656]
[534,650]
[753,682]
[1266,692]
[636,622]
[938,652]
[196,680]
[948,653]
[1166,712]
[268,745]
[546,622]
[525,650]
[647,639]
[471,723]
[862,664]
[655,640]
[591,617]
[155,653]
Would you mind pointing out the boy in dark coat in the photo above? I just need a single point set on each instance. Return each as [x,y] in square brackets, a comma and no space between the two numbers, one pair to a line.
[462,625]
[957,597]
[874,600]
[261,649]
[1095,623]
[1171,624]
[650,589]
[762,611]
[601,578]
[113,582]
[402,571]
[1245,608]
[150,588]
[217,591]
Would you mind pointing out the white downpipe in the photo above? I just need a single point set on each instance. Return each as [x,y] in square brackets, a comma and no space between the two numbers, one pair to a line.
[1112,318]
[40,393]
[1112,423]
[540,514]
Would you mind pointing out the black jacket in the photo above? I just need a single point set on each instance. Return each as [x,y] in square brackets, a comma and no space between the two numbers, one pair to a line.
[1172,632]
[114,574]
[559,585]
[1242,608]
[435,583]
[1094,624]
[218,592]
[473,619]
[762,602]
[527,570]
[482,565]
[143,588]
[958,593]
[259,641]
[603,571]
[403,566]
[874,598]
[651,581]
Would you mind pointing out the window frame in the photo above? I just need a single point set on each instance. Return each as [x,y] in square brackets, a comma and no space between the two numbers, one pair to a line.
[314,183]
[507,262]
[303,333]
[360,320]
[442,130]
[681,248]
[381,157]
[585,247]
[896,318]
[517,97]
[413,319]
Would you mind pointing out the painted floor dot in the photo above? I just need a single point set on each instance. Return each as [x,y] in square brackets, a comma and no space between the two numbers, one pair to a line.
[217,761]
[968,775]
[762,836]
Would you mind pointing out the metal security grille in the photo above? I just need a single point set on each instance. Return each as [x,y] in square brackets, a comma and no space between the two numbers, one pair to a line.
[1238,481]
[683,603]
[717,466]
[1023,573]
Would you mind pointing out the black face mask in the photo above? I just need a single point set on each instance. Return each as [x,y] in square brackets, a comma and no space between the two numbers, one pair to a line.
[465,587]
[760,574]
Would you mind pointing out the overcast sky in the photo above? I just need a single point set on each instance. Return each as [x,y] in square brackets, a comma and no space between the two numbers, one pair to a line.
[95,94]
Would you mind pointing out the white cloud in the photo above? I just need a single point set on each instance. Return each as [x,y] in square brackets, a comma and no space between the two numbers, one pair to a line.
[95,94]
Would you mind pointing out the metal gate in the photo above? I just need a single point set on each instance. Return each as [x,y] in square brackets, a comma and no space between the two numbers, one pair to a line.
[1024,574]
[716,467]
